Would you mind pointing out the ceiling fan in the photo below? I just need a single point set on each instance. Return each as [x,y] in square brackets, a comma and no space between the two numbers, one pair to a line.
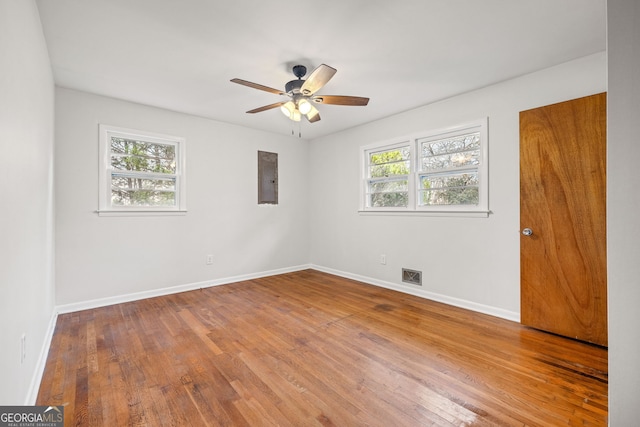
[302,94]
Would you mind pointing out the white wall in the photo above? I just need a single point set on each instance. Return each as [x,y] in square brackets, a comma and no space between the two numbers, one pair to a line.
[622,211]
[345,242]
[26,191]
[103,257]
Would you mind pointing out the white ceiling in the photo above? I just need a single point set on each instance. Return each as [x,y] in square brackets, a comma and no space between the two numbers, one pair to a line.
[181,54]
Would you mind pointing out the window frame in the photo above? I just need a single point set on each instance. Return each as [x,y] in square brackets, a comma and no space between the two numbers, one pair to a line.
[414,140]
[105,206]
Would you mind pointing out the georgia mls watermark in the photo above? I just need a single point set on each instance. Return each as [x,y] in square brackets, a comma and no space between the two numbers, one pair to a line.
[31,416]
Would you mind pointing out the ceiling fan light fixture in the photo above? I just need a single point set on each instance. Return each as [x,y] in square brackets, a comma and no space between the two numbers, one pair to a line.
[288,108]
[296,116]
[304,106]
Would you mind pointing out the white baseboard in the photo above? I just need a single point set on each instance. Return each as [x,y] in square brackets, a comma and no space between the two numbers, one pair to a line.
[36,379]
[456,302]
[103,302]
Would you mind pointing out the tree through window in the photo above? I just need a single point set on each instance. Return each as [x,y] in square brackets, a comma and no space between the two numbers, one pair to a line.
[142,171]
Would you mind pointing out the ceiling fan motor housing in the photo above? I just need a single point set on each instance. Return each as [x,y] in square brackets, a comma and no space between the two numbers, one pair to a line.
[293,86]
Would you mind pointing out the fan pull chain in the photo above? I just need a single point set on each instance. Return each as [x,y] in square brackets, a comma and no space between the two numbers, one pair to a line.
[293,130]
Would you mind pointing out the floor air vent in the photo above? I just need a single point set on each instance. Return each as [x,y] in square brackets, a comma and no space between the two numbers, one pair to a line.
[412,276]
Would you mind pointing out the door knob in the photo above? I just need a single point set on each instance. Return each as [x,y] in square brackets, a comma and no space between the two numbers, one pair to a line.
[527,232]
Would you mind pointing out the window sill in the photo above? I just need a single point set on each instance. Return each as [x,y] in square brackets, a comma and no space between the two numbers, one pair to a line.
[459,214]
[141,212]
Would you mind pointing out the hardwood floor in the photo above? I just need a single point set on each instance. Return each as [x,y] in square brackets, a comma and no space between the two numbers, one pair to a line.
[308,348]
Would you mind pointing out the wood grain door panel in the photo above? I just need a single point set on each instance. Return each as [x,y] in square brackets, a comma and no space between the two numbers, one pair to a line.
[563,201]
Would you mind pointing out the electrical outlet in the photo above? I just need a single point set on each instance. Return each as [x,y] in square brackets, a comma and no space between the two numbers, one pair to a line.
[209,259]
[383,259]
[23,348]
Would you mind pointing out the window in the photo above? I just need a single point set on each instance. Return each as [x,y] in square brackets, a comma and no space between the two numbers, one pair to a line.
[388,172]
[443,172]
[448,170]
[141,172]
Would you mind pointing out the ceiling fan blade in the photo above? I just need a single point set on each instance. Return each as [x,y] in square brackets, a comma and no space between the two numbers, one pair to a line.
[313,115]
[266,107]
[318,78]
[341,100]
[257,86]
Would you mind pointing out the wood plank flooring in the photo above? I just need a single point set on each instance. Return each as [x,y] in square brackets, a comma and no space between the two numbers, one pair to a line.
[312,349]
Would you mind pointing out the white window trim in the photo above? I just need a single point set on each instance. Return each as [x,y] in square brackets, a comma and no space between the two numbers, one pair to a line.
[480,210]
[104,199]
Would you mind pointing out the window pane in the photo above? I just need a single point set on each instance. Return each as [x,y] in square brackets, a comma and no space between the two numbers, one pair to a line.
[461,150]
[124,182]
[388,186]
[131,155]
[390,162]
[388,193]
[451,160]
[142,198]
[450,145]
[132,191]
[386,200]
[450,197]
[455,189]
[449,180]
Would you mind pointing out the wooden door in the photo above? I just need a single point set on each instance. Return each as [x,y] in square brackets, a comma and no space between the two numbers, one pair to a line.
[563,203]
